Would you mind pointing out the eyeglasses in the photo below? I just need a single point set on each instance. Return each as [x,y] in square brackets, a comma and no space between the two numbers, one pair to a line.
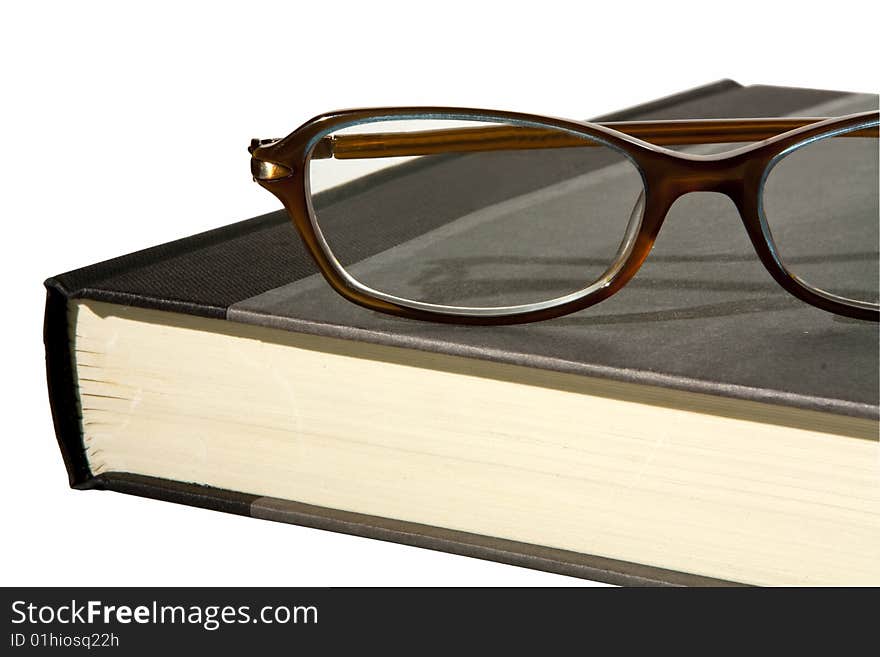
[485,217]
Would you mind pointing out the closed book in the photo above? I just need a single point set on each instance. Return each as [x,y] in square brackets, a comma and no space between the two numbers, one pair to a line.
[702,426]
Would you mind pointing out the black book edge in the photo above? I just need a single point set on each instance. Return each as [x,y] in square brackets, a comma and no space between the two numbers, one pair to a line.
[62,385]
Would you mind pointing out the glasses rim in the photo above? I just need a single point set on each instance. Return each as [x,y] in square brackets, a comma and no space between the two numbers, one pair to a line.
[281,167]
[626,246]
[765,223]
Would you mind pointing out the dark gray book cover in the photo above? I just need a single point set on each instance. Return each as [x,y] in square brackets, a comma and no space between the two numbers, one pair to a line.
[702,315]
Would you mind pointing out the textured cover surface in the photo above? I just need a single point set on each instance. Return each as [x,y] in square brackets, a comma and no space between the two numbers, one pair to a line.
[701,315]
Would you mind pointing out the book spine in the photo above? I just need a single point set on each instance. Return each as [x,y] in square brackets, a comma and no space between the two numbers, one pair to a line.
[62,386]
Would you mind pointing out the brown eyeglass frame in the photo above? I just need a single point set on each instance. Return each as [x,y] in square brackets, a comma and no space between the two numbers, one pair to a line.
[281,167]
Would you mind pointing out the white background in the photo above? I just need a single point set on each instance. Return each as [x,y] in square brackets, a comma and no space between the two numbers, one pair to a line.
[123,128]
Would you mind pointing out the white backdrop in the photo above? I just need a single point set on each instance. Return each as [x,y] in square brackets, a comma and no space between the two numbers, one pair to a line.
[104,106]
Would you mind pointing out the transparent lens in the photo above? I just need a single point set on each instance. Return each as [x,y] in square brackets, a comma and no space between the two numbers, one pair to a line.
[473,213]
[820,204]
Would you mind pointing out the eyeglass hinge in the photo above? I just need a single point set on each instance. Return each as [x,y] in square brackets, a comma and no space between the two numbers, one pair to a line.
[263,169]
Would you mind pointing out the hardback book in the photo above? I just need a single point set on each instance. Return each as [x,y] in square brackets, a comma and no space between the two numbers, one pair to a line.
[701,427]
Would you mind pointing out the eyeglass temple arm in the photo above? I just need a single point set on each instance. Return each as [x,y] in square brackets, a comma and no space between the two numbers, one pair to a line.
[459,140]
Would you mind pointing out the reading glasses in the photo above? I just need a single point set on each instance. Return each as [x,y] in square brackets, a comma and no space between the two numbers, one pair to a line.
[488,217]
